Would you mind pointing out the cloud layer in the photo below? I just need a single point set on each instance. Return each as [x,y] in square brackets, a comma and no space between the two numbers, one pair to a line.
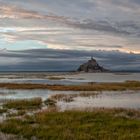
[65,60]
[75,24]
[44,33]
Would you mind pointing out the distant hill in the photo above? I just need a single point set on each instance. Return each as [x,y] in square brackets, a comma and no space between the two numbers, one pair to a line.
[91,66]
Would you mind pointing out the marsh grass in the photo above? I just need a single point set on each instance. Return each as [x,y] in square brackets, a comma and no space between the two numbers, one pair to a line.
[34,103]
[3,110]
[100,124]
[50,102]
[128,85]
[19,113]
[63,97]
[70,97]
[55,78]
[10,137]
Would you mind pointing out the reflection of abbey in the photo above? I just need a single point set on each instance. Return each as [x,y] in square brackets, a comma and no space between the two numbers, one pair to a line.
[91,66]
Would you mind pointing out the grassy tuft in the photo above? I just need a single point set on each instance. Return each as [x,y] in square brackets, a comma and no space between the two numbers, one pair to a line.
[34,103]
[70,97]
[50,102]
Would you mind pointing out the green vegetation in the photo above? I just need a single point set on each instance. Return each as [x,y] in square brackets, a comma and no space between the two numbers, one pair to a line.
[128,85]
[50,102]
[34,103]
[9,137]
[16,114]
[49,124]
[55,78]
[77,125]
[63,97]
[2,110]
[70,97]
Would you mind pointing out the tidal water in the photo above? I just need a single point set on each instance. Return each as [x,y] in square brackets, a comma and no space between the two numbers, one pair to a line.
[67,78]
[111,99]
[118,99]
[107,99]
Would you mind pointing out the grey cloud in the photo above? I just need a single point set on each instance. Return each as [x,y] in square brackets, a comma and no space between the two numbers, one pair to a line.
[82,18]
[119,28]
[136,1]
[61,60]
[102,46]
[85,24]
[13,12]
[97,26]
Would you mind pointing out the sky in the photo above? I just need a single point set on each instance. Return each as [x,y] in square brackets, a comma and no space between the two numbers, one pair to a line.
[36,34]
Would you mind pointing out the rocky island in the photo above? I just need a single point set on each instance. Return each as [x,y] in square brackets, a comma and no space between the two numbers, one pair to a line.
[91,66]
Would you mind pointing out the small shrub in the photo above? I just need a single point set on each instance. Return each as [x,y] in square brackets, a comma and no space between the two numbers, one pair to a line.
[63,97]
[50,102]
[68,99]
[2,110]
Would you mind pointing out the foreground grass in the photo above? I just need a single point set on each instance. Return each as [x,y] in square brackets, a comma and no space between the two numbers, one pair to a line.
[34,103]
[128,85]
[9,137]
[77,125]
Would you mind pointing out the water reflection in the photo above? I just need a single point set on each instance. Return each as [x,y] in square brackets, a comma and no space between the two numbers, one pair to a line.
[67,78]
[111,99]
[6,94]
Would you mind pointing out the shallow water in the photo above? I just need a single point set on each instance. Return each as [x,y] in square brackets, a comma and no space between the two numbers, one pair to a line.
[108,99]
[38,77]
[126,99]
[67,78]
[105,77]
[41,81]
[6,94]
[111,99]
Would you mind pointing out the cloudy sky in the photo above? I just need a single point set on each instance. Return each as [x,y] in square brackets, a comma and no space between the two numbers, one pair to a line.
[37,34]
